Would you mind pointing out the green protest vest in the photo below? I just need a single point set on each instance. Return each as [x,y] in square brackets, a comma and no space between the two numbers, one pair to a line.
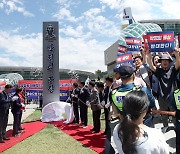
[177,98]
[118,96]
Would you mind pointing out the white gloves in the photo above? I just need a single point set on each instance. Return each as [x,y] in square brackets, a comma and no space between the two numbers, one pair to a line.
[103,103]
[107,105]
[88,104]
[15,98]
[22,105]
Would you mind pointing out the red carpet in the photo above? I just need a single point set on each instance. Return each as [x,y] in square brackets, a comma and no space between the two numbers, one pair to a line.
[30,129]
[85,136]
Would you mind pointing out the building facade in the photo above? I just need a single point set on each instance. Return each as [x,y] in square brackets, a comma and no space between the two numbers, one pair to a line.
[166,25]
[30,73]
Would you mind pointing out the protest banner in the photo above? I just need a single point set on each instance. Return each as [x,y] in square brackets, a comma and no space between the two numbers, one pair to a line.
[178,40]
[124,59]
[2,85]
[34,88]
[161,41]
[145,38]
[122,49]
[133,44]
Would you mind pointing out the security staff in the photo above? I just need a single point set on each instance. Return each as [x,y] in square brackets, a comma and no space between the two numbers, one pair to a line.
[175,102]
[127,76]
[4,112]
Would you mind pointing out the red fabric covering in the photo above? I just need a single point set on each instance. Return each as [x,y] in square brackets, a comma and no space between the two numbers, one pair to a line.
[94,141]
[30,129]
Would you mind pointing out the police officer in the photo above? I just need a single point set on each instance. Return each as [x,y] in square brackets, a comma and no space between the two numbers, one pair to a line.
[4,112]
[127,76]
[175,102]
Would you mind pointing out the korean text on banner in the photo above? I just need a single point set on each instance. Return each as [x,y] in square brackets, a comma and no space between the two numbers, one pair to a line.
[122,49]
[145,38]
[133,44]
[161,41]
[124,59]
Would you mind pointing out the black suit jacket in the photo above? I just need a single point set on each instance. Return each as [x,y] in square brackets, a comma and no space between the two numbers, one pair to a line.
[16,105]
[4,101]
[84,95]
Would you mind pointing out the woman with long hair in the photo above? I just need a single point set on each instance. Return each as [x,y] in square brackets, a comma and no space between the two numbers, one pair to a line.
[131,136]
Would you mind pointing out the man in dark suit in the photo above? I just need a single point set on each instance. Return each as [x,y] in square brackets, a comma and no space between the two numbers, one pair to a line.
[83,97]
[74,100]
[96,110]
[107,91]
[4,112]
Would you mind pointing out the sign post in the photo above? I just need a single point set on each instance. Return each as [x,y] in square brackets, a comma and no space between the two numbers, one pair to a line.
[50,62]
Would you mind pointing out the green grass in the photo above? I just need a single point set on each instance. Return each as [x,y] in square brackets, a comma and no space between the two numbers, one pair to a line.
[51,140]
[36,115]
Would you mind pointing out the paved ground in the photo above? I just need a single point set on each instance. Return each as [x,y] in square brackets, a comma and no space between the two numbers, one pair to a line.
[30,108]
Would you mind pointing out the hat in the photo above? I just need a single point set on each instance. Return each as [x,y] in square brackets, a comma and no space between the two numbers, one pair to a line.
[165,57]
[125,71]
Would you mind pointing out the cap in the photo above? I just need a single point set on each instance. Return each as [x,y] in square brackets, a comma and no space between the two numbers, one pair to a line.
[165,57]
[125,71]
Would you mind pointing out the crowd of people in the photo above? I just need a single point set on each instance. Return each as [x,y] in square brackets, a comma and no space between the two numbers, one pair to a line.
[133,96]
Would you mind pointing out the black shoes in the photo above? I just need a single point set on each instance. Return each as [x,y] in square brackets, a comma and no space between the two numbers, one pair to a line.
[2,141]
[104,133]
[92,129]
[6,138]
[96,131]
[15,135]
[22,129]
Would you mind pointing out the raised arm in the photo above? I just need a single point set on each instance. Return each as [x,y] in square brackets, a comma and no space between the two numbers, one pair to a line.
[177,54]
[149,61]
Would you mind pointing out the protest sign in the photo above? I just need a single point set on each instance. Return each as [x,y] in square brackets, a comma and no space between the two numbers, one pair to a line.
[124,59]
[122,49]
[145,38]
[133,44]
[178,40]
[161,41]
[2,85]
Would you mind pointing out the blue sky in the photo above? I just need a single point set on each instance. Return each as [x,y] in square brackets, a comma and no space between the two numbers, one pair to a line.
[87,28]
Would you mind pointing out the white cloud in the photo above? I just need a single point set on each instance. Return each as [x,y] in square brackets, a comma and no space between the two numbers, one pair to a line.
[146,9]
[113,4]
[1,5]
[11,6]
[80,54]
[99,24]
[65,14]
[42,10]
[75,32]
[75,53]
[27,47]
[170,9]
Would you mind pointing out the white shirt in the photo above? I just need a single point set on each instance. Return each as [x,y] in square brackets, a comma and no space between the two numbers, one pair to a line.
[153,143]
